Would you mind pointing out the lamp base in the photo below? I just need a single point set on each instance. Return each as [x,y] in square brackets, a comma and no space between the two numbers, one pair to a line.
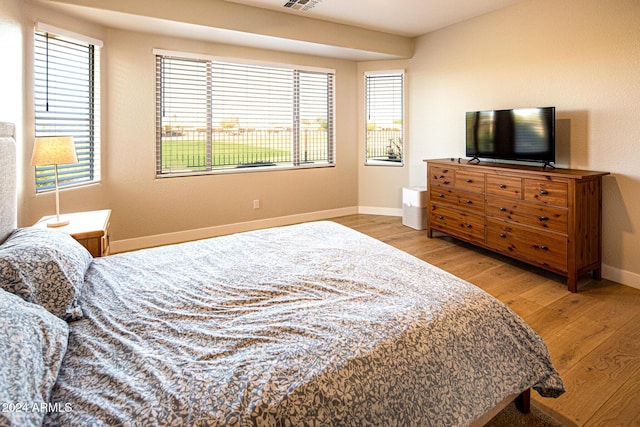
[54,223]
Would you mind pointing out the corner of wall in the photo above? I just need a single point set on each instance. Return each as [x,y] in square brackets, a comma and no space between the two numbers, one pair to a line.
[11,79]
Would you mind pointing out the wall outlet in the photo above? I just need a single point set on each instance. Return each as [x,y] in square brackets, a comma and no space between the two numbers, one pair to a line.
[256,204]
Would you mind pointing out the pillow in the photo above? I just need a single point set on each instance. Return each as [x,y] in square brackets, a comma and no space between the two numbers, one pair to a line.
[46,267]
[32,346]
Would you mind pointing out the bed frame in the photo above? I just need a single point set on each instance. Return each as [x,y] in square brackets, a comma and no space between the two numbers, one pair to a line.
[8,207]
[522,402]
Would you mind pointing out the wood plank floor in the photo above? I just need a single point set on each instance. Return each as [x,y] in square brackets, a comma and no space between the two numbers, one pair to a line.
[593,336]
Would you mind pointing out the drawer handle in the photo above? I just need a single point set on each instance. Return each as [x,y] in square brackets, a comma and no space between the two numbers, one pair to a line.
[469,226]
[544,192]
[503,209]
[469,202]
[440,195]
[446,183]
[440,217]
[469,181]
[441,177]
[503,186]
[544,248]
[544,218]
[503,236]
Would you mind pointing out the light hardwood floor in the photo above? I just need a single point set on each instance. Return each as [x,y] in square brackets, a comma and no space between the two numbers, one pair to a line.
[593,336]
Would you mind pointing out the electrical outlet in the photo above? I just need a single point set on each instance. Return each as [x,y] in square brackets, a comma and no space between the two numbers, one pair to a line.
[256,204]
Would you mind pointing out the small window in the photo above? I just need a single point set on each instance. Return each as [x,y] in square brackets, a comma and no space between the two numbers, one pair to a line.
[67,102]
[384,112]
[214,116]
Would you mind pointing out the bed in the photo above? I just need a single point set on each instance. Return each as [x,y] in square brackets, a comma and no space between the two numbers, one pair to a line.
[312,324]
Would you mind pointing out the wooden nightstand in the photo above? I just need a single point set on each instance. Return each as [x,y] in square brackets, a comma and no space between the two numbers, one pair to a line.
[90,228]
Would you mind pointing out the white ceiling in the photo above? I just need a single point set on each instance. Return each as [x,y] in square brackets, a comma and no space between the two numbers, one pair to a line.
[405,17]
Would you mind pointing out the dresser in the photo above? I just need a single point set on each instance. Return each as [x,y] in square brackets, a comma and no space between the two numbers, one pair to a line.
[550,218]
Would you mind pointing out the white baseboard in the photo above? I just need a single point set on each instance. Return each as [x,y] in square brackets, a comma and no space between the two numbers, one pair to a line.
[370,210]
[621,276]
[219,230]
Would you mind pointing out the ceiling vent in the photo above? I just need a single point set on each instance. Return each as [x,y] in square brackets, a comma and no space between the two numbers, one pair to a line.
[302,5]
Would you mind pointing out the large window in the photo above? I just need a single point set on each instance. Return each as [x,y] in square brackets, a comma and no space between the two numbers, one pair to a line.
[215,116]
[384,106]
[67,101]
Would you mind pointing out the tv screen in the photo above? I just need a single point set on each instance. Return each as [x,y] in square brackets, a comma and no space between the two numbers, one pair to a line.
[518,134]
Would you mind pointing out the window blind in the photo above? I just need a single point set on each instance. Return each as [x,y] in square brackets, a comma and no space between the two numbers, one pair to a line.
[217,115]
[67,100]
[384,104]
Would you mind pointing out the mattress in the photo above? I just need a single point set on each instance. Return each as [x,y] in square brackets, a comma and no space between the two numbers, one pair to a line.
[313,324]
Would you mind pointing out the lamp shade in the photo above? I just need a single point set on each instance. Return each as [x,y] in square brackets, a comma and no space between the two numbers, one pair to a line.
[54,150]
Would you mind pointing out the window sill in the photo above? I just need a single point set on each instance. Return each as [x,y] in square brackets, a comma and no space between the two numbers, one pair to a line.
[245,169]
[384,162]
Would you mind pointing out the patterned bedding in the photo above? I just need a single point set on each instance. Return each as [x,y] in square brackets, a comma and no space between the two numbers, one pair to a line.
[313,324]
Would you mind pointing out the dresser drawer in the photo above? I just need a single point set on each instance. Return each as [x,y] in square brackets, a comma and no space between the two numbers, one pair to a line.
[457,223]
[547,192]
[460,199]
[504,186]
[442,177]
[536,247]
[533,214]
[470,181]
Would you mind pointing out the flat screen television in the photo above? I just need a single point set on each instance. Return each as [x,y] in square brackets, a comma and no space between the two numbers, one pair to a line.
[526,134]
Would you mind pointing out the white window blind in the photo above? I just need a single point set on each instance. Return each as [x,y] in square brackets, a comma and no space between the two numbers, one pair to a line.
[384,105]
[216,115]
[67,101]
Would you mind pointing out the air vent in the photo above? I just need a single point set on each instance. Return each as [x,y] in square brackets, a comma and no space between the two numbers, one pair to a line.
[302,5]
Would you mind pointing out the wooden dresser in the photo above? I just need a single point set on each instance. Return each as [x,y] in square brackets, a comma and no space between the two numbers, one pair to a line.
[550,218]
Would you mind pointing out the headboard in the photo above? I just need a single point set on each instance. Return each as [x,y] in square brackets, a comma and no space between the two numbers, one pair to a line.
[8,195]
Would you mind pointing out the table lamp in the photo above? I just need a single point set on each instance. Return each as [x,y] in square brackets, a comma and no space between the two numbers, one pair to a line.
[54,150]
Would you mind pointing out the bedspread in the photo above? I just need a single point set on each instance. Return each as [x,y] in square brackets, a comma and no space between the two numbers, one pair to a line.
[313,324]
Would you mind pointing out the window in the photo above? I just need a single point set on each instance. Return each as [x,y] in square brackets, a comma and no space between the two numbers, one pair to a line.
[384,105]
[214,116]
[67,101]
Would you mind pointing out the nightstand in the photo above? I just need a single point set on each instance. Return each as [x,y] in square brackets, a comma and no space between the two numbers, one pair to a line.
[90,228]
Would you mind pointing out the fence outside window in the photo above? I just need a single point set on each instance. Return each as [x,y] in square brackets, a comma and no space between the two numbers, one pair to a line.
[384,112]
[220,116]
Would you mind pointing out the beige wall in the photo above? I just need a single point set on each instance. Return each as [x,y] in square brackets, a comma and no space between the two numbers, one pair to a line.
[582,56]
[11,81]
[143,205]
[11,45]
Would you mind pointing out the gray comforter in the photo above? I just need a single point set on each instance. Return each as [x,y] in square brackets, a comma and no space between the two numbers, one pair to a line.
[308,325]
